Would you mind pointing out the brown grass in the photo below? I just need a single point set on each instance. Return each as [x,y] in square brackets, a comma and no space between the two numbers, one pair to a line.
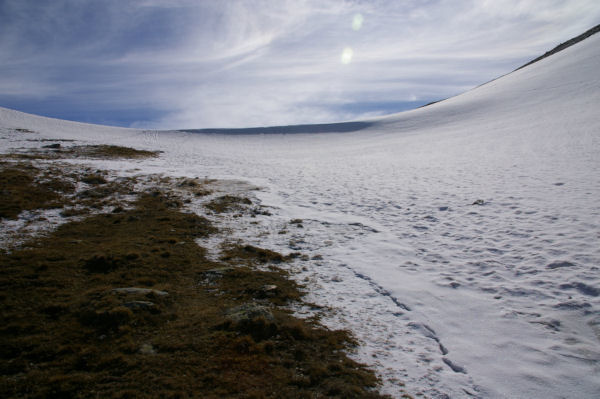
[25,187]
[222,331]
[57,151]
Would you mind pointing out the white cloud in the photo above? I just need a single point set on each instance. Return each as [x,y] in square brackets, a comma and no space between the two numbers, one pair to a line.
[259,62]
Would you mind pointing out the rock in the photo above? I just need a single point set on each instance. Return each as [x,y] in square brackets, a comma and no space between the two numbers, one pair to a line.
[147,349]
[218,271]
[478,202]
[254,320]
[141,291]
[211,275]
[248,312]
[269,289]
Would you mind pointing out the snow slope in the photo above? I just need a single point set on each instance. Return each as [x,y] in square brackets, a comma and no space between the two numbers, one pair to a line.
[499,300]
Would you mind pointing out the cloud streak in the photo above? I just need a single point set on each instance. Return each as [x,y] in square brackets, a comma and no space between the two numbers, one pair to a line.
[196,64]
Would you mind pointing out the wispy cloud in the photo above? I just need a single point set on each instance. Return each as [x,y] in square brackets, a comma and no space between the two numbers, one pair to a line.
[184,63]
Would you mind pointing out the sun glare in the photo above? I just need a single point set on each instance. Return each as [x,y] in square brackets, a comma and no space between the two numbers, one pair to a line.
[357,21]
[347,55]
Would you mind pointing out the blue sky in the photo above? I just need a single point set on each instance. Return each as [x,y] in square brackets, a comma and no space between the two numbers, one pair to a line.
[213,63]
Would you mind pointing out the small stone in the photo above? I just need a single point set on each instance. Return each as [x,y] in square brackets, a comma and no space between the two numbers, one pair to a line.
[478,202]
[269,289]
[147,349]
[218,271]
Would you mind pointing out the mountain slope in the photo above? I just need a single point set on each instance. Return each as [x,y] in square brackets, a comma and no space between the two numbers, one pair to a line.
[566,79]
[458,241]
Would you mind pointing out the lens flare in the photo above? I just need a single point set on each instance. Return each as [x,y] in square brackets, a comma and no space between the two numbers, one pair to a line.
[347,55]
[357,21]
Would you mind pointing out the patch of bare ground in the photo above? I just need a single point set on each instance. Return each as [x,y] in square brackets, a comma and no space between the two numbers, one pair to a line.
[125,304]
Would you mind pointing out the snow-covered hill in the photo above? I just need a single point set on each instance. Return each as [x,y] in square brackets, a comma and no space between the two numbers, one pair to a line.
[459,241]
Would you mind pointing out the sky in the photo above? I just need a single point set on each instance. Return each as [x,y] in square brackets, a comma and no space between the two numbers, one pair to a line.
[169,64]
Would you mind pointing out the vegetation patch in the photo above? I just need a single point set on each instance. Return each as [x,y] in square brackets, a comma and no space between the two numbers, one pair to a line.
[94,179]
[25,187]
[249,253]
[126,304]
[100,195]
[297,222]
[195,186]
[228,203]
[57,151]
[112,151]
